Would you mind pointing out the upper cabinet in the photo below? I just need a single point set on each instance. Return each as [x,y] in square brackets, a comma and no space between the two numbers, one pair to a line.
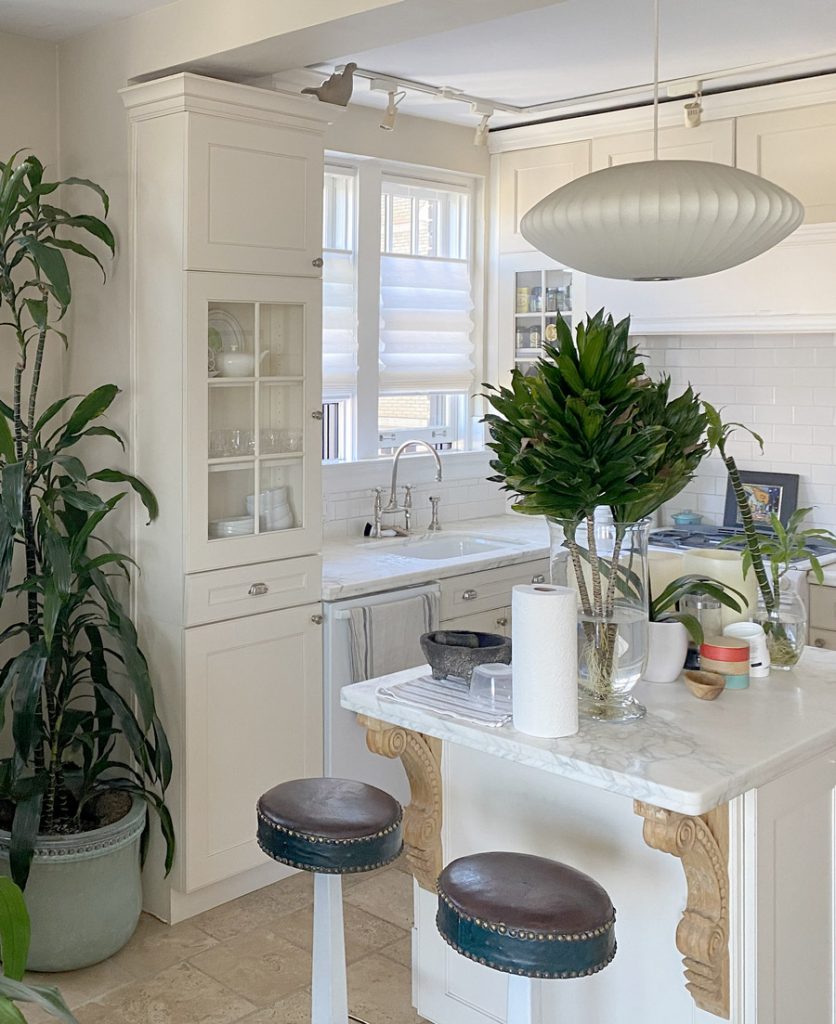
[251,209]
[526,177]
[796,149]
[713,140]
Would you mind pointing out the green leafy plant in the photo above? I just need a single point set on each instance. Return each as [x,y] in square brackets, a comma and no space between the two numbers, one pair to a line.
[80,684]
[664,608]
[586,428]
[14,949]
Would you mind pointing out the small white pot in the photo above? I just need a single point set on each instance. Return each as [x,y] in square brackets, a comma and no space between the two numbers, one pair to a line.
[667,648]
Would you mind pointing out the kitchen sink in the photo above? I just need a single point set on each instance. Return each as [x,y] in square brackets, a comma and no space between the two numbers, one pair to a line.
[443,547]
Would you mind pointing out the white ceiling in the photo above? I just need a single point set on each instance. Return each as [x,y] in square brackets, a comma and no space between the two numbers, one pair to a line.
[60,19]
[587,46]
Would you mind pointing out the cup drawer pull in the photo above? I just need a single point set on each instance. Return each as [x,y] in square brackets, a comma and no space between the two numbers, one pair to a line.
[538,578]
[469,595]
[258,590]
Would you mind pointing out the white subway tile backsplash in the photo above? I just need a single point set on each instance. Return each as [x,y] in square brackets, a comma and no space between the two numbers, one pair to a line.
[784,387]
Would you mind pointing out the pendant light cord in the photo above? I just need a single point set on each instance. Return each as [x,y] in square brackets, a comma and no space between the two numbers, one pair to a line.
[655,79]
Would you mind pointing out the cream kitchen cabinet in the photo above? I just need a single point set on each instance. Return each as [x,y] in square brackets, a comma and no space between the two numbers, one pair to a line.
[712,140]
[822,616]
[526,177]
[257,432]
[482,600]
[253,713]
[226,327]
[797,150]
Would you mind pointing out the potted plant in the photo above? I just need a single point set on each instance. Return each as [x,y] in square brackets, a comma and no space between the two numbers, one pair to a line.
[89,753]
[14,948]
[780,610]
[670,628]
[587,430]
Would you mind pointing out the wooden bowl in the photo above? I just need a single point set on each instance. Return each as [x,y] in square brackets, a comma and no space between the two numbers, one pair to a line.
[705,685]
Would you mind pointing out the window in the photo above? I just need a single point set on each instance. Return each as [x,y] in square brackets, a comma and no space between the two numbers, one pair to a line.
[406,345]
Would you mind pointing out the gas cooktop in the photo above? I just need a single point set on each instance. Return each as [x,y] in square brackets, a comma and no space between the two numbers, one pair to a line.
[713,537]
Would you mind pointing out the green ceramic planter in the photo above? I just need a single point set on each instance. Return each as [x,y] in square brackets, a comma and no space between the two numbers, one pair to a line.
[84,893]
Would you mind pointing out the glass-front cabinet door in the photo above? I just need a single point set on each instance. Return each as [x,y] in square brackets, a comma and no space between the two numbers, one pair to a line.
[254,430]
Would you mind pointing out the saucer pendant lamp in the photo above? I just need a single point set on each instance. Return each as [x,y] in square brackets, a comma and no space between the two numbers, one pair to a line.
[660,220]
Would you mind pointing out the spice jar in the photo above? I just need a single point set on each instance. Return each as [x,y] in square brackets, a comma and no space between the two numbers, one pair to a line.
[729,656]
[706,610]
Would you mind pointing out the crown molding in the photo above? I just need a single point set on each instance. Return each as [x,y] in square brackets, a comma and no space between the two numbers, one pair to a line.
[756,100]
[189,93]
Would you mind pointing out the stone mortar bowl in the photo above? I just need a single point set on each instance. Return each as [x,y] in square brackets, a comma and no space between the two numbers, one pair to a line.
[455,653]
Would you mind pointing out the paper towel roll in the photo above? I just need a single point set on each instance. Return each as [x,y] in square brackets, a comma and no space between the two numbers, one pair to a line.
[545,660]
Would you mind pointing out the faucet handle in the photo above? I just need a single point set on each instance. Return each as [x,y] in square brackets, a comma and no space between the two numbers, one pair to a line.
[378,498]
[407,496]
[435,525]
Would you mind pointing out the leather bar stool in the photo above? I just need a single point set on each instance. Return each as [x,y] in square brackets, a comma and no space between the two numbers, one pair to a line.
[331,827]
[530,917]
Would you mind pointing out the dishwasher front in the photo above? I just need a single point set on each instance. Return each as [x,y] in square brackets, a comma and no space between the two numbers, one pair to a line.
[346,753]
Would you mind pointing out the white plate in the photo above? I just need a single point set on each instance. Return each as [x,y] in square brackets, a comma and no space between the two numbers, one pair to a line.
[230,332]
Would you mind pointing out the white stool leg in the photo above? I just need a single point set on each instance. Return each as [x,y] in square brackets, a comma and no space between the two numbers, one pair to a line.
[523,1000]
[329,999]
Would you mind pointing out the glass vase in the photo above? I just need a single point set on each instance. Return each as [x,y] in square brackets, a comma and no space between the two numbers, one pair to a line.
[607,564]
[785,628]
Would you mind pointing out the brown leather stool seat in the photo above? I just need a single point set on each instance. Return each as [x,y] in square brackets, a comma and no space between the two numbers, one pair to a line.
[336,826]
[526,915]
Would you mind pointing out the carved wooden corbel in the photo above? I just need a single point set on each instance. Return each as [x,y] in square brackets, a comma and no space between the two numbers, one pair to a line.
[702,937]
[421,758]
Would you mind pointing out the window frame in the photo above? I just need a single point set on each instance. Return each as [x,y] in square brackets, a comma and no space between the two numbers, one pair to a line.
[369,176]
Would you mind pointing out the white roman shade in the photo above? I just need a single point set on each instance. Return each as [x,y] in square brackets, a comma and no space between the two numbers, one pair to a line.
[339,323]
[426,324]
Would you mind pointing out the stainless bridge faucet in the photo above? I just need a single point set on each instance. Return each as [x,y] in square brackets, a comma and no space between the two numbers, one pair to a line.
[392,507]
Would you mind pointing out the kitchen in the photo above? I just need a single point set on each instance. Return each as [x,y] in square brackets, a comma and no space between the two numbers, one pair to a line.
[454,130]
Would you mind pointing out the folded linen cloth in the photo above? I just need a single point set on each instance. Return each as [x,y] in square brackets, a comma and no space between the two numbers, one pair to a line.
[384,637]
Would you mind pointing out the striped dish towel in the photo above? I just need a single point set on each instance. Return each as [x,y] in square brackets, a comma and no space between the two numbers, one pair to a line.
[384,637]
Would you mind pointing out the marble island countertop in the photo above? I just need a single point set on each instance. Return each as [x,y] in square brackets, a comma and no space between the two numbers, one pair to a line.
[352,568]
[686,755]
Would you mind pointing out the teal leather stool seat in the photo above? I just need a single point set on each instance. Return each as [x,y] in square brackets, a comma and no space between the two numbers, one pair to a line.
[530,917]
[330,827]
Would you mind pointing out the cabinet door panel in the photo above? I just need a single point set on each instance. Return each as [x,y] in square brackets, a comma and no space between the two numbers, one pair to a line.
[254,719]
[797,150]
[712,141]
[256,197]
[254,434]
[497,620]
[529,175]
[822,606]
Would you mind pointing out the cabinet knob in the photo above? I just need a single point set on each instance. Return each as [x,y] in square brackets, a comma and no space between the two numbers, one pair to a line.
[469,595]
[316,414]
[318,262]
[818,642]
[258,590]
[538,578]
[502,621]
[317,620]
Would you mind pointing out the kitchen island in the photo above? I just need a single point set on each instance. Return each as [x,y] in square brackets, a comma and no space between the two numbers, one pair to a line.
[739,791]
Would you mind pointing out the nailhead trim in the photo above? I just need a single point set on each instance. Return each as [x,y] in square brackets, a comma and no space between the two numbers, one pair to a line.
[324,870]
[554,976]
[523,933]
[312,838]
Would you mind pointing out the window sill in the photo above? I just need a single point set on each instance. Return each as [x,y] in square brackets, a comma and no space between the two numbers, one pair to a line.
[417,469]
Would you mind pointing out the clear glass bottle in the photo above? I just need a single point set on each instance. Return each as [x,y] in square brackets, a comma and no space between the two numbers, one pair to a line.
[785,627]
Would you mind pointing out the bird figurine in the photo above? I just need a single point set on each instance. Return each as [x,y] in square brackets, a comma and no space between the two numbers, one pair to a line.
[336,89]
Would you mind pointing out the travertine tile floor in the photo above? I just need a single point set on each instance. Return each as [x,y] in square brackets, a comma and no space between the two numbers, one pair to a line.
[249,961]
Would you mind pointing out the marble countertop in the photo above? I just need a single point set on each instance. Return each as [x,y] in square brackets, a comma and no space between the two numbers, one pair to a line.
[361,566]
[686,755]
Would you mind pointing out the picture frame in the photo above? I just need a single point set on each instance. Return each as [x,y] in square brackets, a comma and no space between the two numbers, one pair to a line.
[768,492]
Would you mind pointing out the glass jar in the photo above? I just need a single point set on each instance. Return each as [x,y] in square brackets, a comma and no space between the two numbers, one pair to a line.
[707,611]
[785,627]
[606,562]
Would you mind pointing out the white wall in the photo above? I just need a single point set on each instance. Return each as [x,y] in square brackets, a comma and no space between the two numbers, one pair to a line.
[781,385]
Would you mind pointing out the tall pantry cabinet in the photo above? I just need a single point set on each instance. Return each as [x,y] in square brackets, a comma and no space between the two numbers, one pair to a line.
[226,340]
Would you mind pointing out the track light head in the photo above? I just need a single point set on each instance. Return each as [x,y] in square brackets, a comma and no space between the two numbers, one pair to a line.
[485,113]
[389,118]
